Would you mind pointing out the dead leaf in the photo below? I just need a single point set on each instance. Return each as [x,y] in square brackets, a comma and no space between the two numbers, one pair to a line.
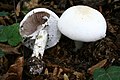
[17,11]
[98,65]
[60,71]
[31,4]
[17,68]
[55,71]
[3,64]
[9,49]
[6,6]
[3,77]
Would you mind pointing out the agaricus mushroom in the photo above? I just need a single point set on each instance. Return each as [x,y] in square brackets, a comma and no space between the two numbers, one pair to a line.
[39,30]
[82,23]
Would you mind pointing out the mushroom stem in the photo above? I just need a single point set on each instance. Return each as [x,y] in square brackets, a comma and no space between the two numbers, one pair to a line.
[38,51]
[78,45]
[40,44]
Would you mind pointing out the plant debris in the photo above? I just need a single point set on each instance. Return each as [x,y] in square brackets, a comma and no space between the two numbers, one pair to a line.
[61,62]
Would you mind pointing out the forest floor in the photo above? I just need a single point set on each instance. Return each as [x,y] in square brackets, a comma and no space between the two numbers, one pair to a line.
[61,62]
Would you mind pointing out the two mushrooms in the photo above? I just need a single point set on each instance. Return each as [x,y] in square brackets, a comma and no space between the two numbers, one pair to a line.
[41,29]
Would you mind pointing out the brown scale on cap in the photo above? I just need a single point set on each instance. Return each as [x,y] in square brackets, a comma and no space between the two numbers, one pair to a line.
[33,22]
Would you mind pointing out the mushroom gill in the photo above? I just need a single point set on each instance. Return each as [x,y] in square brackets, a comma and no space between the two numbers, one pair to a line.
[32,23]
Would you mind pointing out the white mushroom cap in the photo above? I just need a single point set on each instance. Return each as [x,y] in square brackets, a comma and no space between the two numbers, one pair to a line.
[37,19]
[82,23]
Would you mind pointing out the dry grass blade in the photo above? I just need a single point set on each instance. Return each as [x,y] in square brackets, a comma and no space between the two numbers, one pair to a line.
[98,65]
[17,11]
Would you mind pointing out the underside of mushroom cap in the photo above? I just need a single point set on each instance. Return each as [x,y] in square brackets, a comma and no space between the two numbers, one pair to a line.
[34,21]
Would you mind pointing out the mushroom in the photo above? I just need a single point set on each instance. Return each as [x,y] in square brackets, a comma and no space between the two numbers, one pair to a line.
[82,24]
[39,30]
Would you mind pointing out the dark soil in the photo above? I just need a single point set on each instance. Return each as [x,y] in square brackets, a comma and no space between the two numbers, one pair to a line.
[61,59]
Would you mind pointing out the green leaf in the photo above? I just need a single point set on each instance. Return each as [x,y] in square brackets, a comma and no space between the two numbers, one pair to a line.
[112,73]
[1,53]
[15,40]
[3,13]
[3,36]
[6,31]
[11,35]
[14,37]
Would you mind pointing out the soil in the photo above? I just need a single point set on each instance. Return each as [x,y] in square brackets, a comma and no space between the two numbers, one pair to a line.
[61,62]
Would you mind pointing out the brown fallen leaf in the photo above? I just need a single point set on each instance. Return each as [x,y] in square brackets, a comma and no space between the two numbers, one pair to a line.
[98,65]
[3,64]
[55,71]
[6,6]
[15,70]
[9,49]
[60,71]
[31,4]
[1,77]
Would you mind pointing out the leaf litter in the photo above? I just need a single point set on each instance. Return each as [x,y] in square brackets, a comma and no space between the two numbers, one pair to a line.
[61,62]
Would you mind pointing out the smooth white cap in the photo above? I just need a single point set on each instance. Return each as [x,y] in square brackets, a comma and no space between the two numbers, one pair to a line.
[82,23]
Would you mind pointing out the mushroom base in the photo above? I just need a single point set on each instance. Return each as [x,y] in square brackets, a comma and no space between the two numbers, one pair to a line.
[35,65]
[78,45]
